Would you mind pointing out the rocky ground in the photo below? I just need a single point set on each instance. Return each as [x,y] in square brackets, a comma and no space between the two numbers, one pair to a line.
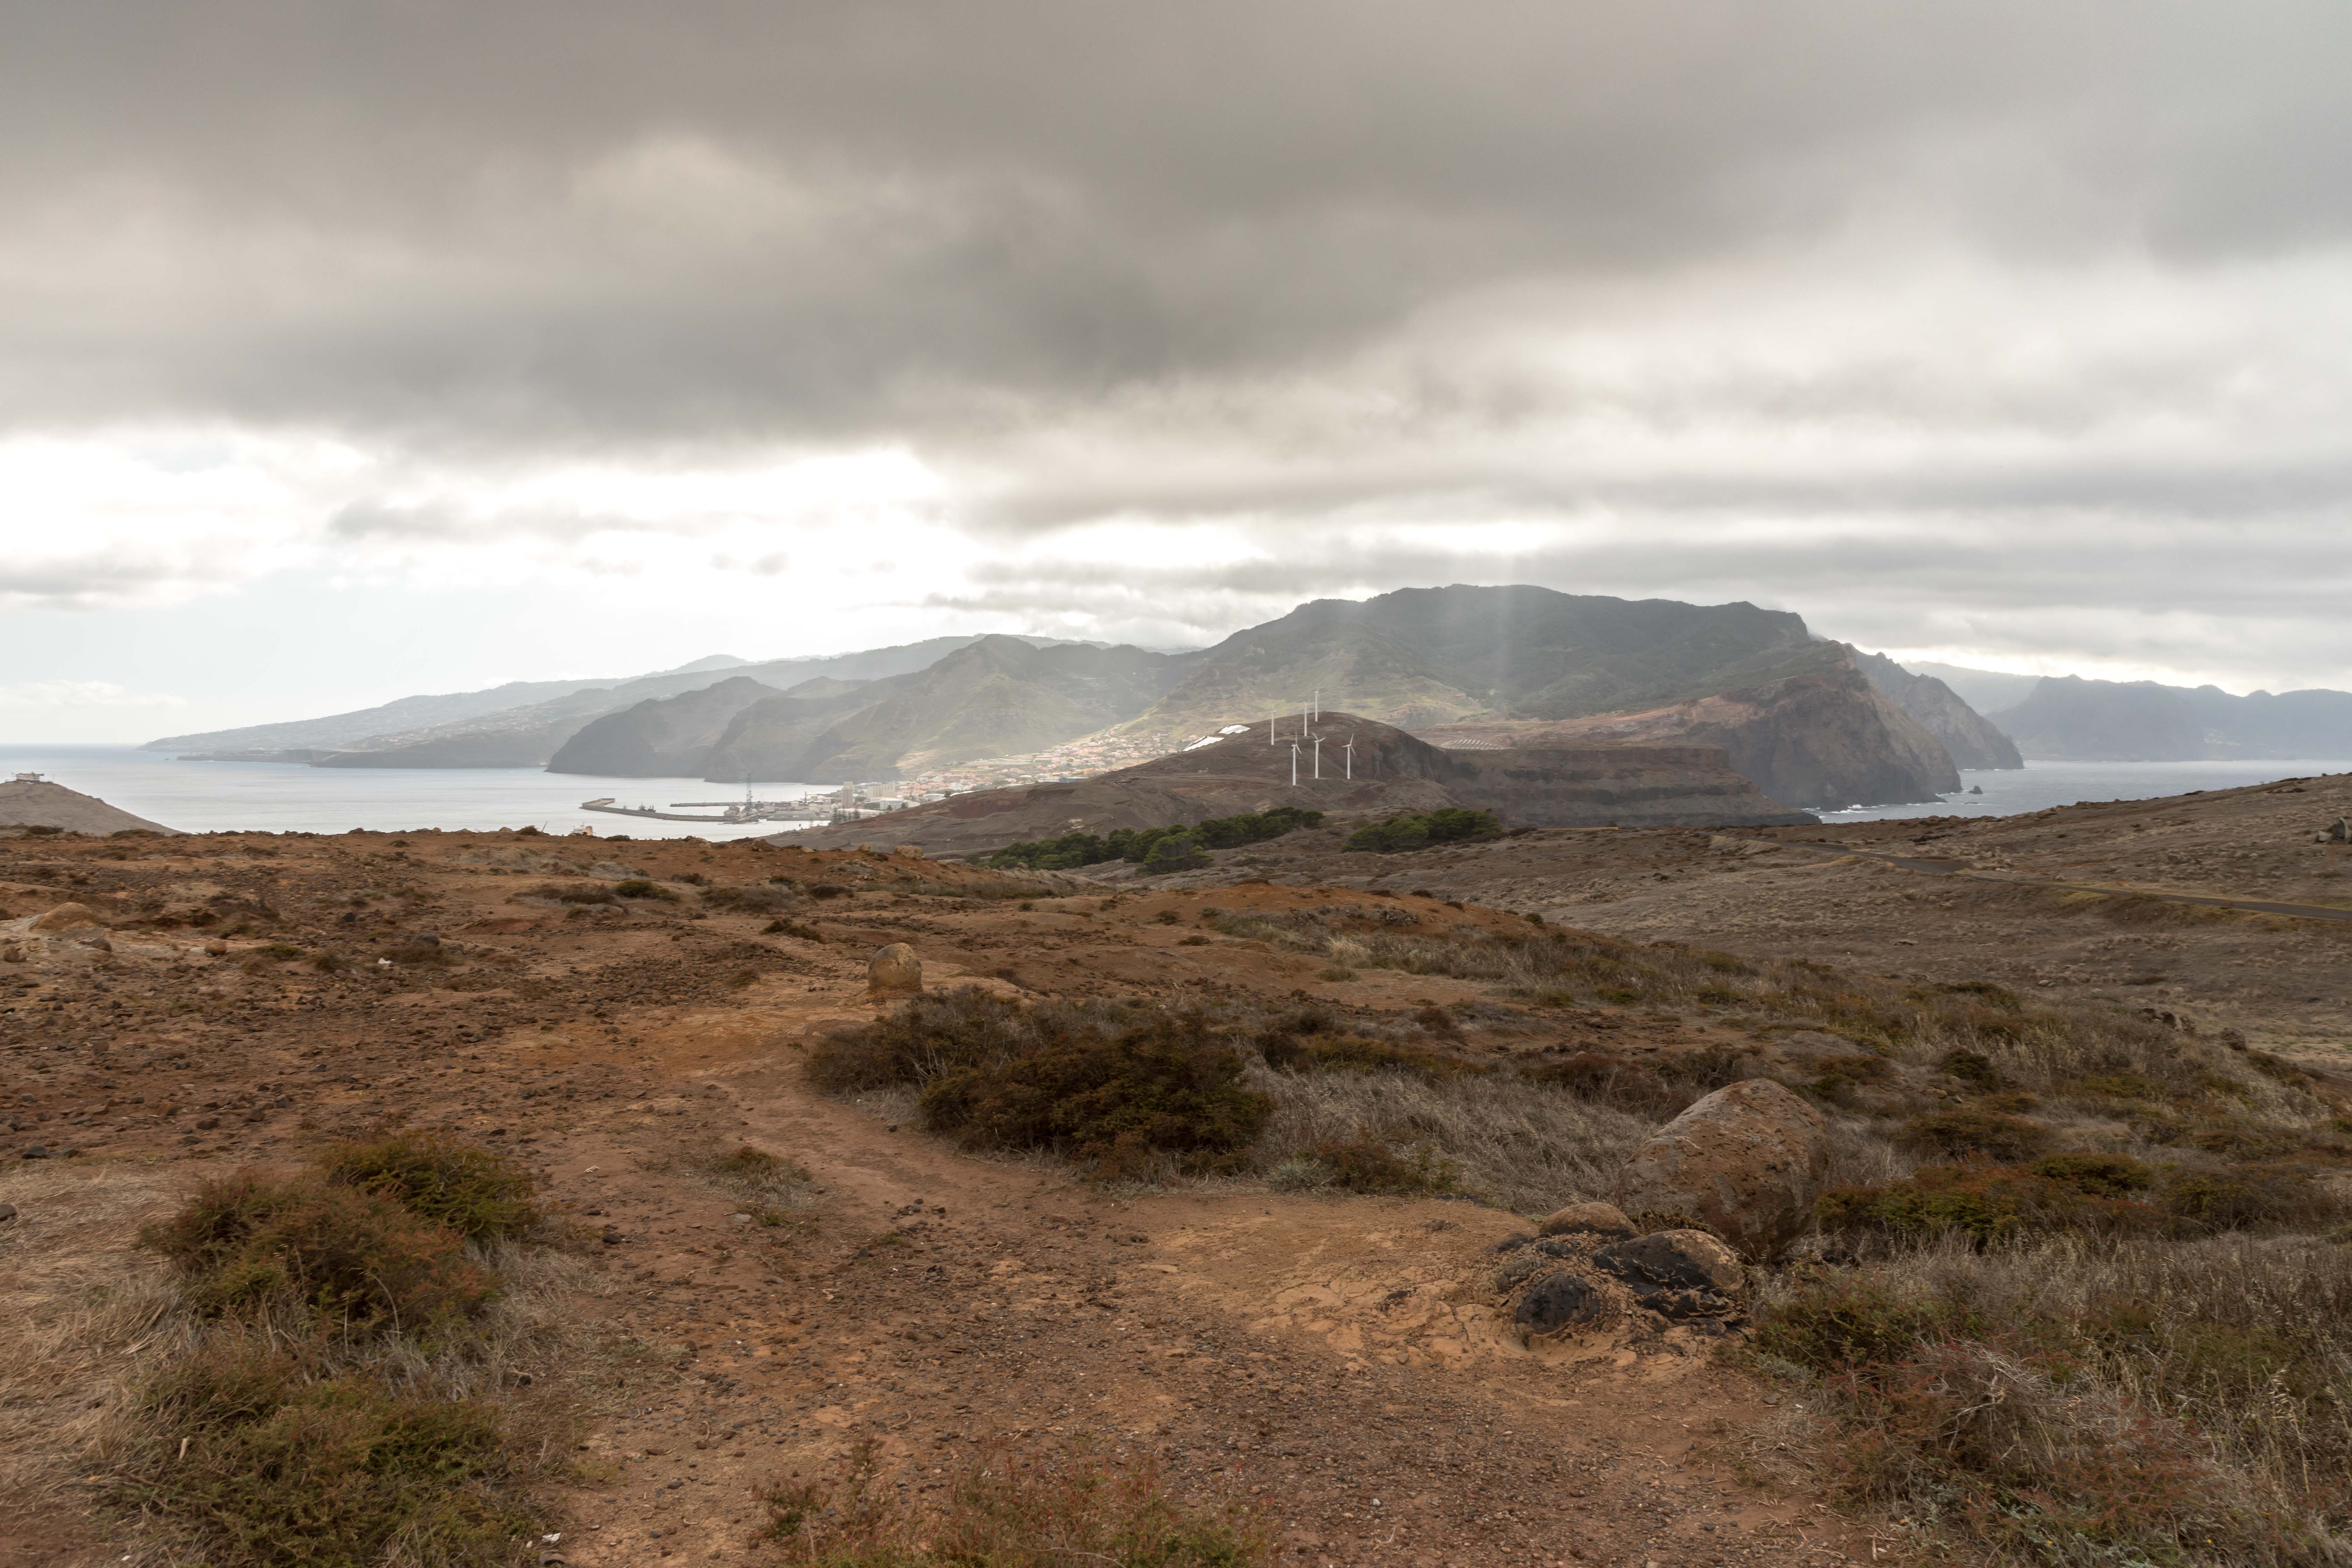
[174,1007]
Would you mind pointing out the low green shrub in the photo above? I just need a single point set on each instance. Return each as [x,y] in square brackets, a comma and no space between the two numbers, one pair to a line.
[574,893]
[1417,831]
[1993,1134]
[1289,1052]
[355,1260]
[645,888]
[474,1191]
[939,1032]
[266,1461]
[795,929]
[1164,1085]
[1140,846]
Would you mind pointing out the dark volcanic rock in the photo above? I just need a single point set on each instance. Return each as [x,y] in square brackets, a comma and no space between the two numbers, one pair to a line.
[1562,1300]
[1679,1260]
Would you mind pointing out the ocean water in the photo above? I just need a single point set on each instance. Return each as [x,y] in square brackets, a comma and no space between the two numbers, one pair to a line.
[282,798]
[2037,785]
[293,797]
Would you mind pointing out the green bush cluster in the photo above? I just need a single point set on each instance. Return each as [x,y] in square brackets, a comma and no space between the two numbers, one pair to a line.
[2104,1194]
[355,1260]
[268,1462]
[478,1194]
[1289,1052]
[1166,1085]
[1168,846]
[1103,1084]
[1447,825]
[288,1437]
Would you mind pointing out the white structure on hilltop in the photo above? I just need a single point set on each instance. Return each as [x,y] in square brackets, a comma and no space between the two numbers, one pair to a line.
[28,778]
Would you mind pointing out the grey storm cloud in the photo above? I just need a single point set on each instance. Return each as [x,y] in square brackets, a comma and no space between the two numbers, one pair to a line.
[1989,315]
[599,221]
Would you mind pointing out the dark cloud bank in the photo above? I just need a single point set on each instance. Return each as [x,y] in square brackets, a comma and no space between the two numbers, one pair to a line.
[2014,323]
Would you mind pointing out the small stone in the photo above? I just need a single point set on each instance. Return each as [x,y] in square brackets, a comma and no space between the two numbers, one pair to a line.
[8,1213]
[37,1152]
[741,1218]
[895,971]
[1596,1219]
[612,1236]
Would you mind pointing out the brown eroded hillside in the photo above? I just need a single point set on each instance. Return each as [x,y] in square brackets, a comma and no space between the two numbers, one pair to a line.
[774,1243]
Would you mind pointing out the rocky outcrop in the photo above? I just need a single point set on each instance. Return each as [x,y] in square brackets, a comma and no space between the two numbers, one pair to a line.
[1967,735]
[39,802]
[1747,1161]
[1392,772]
[1824,738]
[660,737]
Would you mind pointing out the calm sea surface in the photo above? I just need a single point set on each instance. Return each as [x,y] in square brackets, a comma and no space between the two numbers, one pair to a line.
[200,797]
[2040,784]
[291,797]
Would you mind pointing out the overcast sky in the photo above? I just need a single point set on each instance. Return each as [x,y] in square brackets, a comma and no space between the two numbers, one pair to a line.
[351,351]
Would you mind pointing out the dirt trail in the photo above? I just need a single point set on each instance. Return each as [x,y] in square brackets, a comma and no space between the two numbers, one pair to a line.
[1337,1361]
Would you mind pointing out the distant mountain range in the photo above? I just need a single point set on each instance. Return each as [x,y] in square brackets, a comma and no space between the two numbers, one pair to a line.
[2067,717]
[1812,723]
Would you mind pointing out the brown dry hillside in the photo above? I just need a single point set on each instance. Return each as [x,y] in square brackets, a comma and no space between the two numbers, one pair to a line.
[744,1278]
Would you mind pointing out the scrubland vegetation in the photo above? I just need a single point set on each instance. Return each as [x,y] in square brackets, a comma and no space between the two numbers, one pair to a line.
[1156,849]
[336,1365]
[2080,1290]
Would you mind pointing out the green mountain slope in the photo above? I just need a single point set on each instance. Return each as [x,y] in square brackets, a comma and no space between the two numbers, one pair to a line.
[1435,655]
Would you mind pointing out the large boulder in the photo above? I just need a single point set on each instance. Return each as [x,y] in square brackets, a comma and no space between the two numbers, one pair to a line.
[1746,1162]
[65,917]
[895,971]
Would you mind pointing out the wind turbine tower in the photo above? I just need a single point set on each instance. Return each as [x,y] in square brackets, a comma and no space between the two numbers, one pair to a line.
[1318,756]
[1293,765]
[1350,750]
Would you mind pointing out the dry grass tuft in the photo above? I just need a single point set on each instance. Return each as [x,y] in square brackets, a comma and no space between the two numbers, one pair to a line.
[255,1429]
[2078,1399]
[1529,1147]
